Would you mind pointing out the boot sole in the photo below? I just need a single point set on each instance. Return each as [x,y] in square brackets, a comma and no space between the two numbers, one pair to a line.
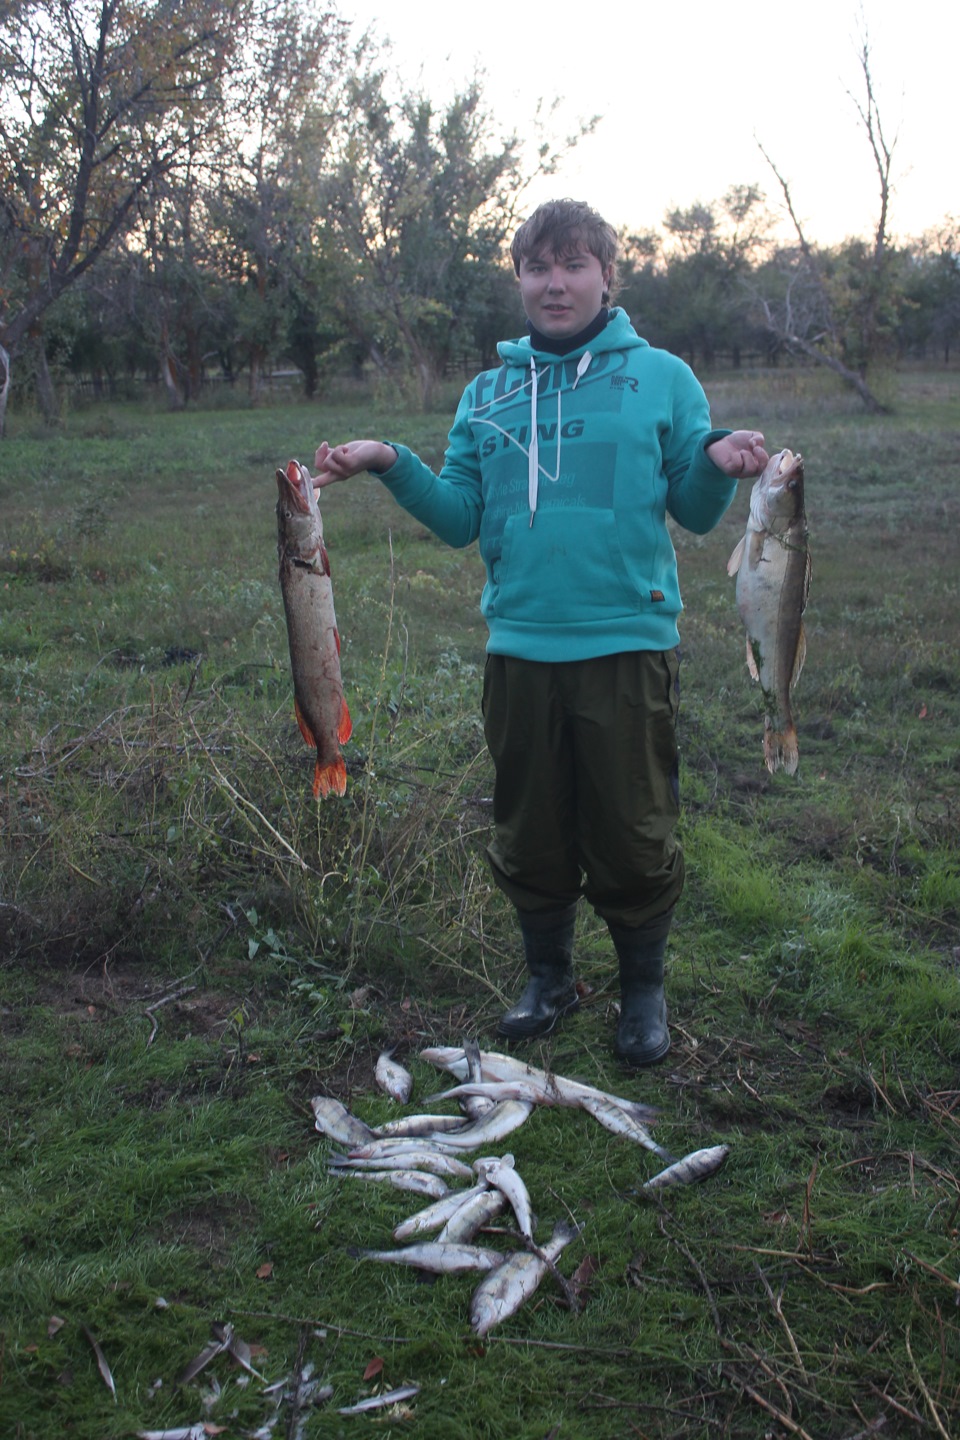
[638,1061]
[519,1031]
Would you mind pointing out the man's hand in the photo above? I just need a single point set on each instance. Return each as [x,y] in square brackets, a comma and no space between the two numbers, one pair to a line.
[343,461]
[741,454]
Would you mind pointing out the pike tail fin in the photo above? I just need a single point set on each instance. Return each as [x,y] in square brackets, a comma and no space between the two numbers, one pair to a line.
[781,749]
[330,779]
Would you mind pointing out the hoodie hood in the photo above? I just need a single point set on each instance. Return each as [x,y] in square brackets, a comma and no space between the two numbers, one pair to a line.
[618,334]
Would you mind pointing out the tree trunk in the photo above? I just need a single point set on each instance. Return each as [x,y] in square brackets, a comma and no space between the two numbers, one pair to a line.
[46,394]
[4,388]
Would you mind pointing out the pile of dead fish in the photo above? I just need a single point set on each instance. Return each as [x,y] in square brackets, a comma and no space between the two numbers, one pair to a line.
[425,1153]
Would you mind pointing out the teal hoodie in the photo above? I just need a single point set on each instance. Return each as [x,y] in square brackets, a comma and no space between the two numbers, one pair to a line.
[565,468]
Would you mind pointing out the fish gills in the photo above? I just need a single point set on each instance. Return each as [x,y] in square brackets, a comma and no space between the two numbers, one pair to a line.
[772,565]
[312,635]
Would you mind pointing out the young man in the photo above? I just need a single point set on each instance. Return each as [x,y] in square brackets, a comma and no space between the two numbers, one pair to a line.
[564,463]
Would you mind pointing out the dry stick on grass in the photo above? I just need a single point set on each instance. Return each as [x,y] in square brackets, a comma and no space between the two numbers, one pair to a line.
[244,804]
[777,1302]
[729,1370]
[609,1352]
[166,1000]
[931,1406]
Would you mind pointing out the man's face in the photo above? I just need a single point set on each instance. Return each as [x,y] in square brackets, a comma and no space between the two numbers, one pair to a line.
[561,296]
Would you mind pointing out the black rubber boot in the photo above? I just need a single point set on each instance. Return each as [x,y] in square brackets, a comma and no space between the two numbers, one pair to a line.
[551,991]
[642,1034]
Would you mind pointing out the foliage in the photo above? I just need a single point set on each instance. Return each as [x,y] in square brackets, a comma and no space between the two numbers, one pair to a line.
[191,949]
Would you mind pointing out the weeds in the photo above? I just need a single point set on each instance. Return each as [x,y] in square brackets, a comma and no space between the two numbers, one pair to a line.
[191,949]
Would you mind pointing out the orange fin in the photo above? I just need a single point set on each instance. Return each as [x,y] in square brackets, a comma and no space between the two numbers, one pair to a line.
[305,730]
[345,728]
[330,779]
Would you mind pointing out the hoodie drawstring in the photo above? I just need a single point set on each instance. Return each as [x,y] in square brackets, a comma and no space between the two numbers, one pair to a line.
[533,454]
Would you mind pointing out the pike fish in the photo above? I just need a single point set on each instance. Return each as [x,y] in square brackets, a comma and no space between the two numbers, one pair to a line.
[500,1294]
[312,633]
[772,566]
[691,1168]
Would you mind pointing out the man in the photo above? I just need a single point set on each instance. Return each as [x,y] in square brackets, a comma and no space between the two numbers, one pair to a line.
[564,463]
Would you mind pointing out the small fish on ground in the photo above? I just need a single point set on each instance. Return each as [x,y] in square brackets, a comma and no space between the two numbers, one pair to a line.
[437,1258]
[418,1181]
[500,1294]
[392,1078]
[419,1159]
[435,1216]
[378,1402]
[620,1122]
[414,1126]
[469,1219]
[698,1165]
[312,634]
[505,1117]
[334,1120]
[772,565]
[505,1179]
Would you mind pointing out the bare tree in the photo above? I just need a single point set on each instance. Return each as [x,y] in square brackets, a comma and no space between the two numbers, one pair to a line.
[814,315]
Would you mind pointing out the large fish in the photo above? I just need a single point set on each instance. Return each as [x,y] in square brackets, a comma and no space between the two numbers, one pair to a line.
[312,634]
[772,566]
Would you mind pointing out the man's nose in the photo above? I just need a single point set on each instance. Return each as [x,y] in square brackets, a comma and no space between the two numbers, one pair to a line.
[557,278]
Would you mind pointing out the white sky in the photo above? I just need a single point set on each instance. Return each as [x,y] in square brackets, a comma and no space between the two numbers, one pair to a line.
[685,89]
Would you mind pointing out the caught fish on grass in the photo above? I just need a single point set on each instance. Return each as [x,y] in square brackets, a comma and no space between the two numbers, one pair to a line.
[312,634]
[504,1076]
[436,1216]
[470,1218]
[420,1182]
[496,1123]
[334,1120]
[772,565]
[392,1078]
[380,1402]
[501,1175]
[416,1126]
[698,1165]
[436,1257]
[432,1161]
[620,1122]
[501,1293]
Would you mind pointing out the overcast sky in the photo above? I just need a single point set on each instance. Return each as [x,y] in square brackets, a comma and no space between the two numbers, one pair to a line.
[686,90]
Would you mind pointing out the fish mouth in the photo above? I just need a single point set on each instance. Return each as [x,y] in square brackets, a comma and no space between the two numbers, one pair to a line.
[292,483]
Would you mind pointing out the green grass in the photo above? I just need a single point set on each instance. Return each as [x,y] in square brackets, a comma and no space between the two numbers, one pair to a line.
[190,949]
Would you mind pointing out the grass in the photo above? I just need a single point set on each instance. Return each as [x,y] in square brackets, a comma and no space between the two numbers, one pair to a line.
[190,949]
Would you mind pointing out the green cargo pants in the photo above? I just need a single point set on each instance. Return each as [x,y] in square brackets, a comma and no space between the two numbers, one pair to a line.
[586,794]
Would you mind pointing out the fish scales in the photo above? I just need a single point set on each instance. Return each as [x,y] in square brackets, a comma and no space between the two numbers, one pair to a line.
[500,1294]
[698,1165]
[312,635]
[439,1259]
[772,565]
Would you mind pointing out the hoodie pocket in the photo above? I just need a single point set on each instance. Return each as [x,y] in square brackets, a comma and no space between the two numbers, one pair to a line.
[566,569]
